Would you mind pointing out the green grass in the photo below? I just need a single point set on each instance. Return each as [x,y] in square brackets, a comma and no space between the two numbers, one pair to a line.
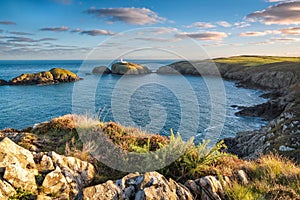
[252,61]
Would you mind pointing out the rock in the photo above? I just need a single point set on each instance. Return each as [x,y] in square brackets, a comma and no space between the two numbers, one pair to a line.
[3,82]
[101,70]
[18,165]
[108,191]
[208,188]
[55,75]
[43,197]
[78,174]
[150,185]
[127,68]
[181,67]
[55,184]
[6,190]
[213,187]
[19,177]
[242,177]
[44,162]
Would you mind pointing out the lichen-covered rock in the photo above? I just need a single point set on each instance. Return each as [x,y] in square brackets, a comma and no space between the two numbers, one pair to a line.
[78,174]
[101,70]
[55,75]
[18,165]
[148,186]
[129,68]
[55,184]
[108,191]
[6,190]
[207,188]
[19,177]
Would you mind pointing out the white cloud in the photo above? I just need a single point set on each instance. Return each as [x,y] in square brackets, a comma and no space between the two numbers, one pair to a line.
[224,24]
[134,16]
[55,29]
[290,31]
[282,14]
[204,35]
[201,25]
[97,32]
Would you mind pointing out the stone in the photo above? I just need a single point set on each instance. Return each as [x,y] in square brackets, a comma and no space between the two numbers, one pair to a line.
[43,197]
[78,174]
[19,177]
[211,188]
[55,184]
[6,190]
[101,70]
[243,177]
[150,185]
[18,165]
[107,191]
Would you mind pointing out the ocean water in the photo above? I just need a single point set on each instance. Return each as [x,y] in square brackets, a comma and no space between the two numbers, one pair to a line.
[194,106]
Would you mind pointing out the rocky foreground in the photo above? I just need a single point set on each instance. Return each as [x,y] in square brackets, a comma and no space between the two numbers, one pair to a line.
[49,161]
[53,76]
[280,78]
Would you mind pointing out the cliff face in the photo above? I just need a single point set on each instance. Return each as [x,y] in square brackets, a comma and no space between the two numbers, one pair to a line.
[279,76]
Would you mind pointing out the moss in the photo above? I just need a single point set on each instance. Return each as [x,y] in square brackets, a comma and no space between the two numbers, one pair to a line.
[22,195]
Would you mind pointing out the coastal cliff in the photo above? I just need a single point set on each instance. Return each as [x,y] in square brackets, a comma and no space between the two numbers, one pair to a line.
[280,78]
[53,76]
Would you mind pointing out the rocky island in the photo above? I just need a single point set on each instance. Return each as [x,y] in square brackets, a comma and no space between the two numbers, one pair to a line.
[101,70]
[53,76]
[128,68]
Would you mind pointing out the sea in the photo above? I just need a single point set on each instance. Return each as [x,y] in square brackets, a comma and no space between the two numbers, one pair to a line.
[194,106]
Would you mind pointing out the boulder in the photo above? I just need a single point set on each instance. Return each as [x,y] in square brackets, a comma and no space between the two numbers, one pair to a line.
[3,82]
[78,174]
[55,75]
[208,188]
[108,191]
[150,185]
[101,70]
[129,68]
[55,184]
[18,165]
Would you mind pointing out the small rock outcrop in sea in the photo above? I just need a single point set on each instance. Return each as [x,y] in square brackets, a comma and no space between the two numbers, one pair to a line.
[181,67]
[53,76]
[3,82]
[128,68]
[101,70]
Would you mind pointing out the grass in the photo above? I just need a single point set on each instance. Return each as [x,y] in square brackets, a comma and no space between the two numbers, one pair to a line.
[252,61]
[272,177]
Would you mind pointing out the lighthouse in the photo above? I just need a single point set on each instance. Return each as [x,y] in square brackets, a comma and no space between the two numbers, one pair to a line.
[122,61]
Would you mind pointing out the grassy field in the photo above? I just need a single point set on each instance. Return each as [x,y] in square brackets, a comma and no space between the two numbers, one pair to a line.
[252,61]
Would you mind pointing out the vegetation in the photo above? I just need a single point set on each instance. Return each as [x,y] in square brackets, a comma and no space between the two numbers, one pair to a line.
[252,61]
[22,195]
[270,176]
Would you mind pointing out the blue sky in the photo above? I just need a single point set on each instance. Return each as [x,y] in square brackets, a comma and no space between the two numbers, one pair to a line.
[74,29]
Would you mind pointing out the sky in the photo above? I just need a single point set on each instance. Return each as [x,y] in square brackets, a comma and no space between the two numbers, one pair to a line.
[142,29]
